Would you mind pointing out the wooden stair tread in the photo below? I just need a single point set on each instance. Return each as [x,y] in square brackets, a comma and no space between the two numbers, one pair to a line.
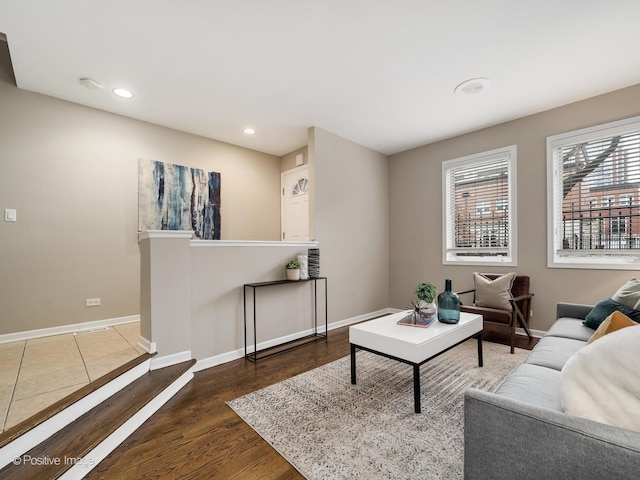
[23,427]
[80,437]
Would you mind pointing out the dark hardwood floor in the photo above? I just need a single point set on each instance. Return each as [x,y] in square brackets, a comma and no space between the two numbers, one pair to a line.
[197,436]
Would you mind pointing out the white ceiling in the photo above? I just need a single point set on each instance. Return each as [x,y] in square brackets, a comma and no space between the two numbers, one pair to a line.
[380,73]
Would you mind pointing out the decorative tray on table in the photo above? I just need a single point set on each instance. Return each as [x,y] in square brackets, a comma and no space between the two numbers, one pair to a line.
[415,319]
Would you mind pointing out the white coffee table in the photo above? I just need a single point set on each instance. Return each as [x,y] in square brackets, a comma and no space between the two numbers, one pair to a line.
[412,345]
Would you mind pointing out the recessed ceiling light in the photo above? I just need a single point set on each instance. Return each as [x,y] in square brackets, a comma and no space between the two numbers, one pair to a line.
[123,92]
[249,131]
[90,83]
[472,86]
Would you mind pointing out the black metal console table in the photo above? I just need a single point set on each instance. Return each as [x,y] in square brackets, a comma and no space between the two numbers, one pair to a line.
[313,337]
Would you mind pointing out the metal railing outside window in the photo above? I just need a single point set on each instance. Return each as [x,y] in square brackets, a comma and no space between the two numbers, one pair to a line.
[594,196]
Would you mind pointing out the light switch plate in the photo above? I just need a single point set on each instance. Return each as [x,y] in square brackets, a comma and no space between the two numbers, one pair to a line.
[10,215]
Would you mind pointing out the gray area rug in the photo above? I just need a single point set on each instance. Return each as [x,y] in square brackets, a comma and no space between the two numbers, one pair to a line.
[329,429]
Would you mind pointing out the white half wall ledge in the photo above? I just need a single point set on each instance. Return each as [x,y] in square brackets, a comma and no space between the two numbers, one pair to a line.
[252,243]
[147,234]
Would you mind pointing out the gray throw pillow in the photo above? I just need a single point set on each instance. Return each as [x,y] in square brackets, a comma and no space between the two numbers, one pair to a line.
[494,293]
[629,294]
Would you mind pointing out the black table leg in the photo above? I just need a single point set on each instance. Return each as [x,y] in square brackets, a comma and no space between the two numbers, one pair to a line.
[416,388]
[480,363]
[353,364]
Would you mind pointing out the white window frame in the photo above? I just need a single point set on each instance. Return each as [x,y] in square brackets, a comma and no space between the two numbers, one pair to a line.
[449,256]
[592,259]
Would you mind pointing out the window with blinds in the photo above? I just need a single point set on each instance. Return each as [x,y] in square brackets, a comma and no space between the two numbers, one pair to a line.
[594,199]
[479,208]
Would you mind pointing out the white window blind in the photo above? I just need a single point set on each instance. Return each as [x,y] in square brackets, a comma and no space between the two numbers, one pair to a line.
[594,196]
[479,208]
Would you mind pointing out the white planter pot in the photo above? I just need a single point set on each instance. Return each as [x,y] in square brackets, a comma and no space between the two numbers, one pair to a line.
[293,274]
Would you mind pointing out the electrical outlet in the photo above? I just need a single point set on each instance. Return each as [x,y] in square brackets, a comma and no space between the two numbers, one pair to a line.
[10,215]
[93,302]
[531,312]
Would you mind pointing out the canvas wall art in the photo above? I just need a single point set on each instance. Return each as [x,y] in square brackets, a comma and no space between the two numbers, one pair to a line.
[175,197]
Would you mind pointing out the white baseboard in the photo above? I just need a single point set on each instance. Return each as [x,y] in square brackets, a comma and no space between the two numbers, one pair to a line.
[168,360]
[362,318]
[239,353]
[146,345]
[216,360]
[535,333]
[73,328]
[41,432]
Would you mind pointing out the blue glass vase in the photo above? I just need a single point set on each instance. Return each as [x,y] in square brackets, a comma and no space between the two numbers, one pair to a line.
[448,305]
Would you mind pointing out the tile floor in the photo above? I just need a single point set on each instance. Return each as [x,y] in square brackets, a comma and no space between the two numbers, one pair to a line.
[37,373]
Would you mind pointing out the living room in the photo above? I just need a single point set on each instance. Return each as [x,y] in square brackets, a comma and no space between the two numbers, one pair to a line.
[71,173]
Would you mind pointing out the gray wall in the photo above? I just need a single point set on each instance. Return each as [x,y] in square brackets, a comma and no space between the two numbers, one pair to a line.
[71,173]
[416,208]
[289,160]
[349,192]
[218,274]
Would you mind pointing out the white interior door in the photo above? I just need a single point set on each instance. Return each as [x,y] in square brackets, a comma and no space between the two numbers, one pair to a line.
[295,205]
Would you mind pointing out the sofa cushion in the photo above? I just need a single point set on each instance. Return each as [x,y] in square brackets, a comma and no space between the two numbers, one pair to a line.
[613,322]
[601,381]
[629,294]
[534,385]
[605,308]
[553,352]
[570,328]
[494,293]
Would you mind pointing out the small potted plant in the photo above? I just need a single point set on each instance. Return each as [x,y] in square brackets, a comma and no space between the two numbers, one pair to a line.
[293,270]
[426,293]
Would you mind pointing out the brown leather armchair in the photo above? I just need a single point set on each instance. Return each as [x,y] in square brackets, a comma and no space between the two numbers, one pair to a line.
[520,303]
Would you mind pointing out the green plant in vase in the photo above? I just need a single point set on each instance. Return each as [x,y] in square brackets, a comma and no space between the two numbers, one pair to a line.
[425,306]
[426,292]
[293,270]
[293,265]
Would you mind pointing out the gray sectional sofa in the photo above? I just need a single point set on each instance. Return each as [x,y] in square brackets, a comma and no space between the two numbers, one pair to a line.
[520,432]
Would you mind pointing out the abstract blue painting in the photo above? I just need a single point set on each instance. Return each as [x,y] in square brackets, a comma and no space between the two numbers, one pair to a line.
[174,197]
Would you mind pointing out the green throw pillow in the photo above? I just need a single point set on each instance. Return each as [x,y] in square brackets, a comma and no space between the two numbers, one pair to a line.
[605,308]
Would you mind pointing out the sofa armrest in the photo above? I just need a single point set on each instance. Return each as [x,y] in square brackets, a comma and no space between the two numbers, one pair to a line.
[572,310]
[506,439]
